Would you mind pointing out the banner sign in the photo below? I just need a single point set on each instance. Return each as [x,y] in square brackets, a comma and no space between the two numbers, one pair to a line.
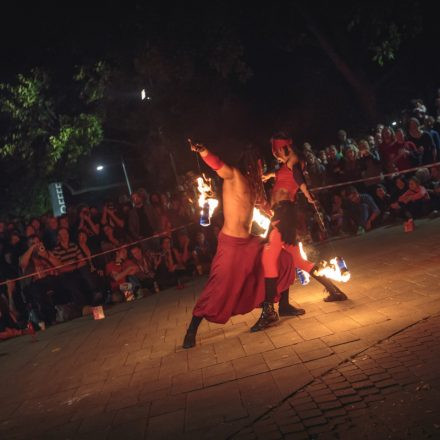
[57,199]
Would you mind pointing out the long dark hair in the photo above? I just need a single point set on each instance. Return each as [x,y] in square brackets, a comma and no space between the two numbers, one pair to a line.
[250,165]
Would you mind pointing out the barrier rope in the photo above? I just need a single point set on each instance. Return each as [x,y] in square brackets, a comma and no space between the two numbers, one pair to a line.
[380,176]
[99,254]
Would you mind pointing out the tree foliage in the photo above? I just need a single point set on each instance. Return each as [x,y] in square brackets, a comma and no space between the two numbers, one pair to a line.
[46,126]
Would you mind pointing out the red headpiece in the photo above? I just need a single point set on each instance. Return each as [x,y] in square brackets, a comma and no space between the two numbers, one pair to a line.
[277,144]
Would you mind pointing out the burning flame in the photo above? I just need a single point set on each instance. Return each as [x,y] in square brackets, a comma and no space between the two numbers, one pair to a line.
[262,221]
[206,194]
[304,256]
[332,271]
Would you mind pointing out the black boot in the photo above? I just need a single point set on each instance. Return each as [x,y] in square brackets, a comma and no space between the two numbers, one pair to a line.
[287,309]
[190,337]
[334,293]
[268,317]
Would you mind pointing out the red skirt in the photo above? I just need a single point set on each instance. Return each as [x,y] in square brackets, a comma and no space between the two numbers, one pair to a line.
[236,281]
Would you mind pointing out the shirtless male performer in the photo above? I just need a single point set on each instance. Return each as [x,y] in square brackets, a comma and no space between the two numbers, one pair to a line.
[236,281]
[288,180]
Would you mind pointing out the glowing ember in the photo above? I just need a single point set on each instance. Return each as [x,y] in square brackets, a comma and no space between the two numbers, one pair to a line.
[262,221]
[207,201]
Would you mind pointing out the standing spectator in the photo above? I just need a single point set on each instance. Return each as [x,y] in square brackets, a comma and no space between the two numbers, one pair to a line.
[423,141]
[388,149]
[334,166]
[50,234]
[110,217]
[343,141]
[315,171]
[407,154]
[362,210]
[88,223]
[322,156]
[429,126]
[177,212]
[369,164]
[351,167]
[139,225]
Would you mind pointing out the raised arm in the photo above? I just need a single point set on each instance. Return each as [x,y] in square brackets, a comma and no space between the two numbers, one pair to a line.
[224,171]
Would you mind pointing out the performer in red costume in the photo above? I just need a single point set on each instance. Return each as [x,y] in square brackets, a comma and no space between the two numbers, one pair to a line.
[236,281]
[288,179]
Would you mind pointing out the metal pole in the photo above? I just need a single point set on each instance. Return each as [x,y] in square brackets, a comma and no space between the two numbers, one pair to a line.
[126,176]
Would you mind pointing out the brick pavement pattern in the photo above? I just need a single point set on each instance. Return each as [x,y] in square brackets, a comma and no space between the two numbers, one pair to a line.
[127,376]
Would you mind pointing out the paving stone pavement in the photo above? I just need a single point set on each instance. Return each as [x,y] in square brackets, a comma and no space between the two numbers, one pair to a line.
[127,375]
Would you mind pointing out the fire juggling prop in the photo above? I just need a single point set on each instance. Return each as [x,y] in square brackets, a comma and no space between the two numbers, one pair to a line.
[335,270]
[207,200]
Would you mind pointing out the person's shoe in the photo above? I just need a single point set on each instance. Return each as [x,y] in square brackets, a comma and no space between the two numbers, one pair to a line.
[335,296]
[268,317]
[189,340]
[290,310]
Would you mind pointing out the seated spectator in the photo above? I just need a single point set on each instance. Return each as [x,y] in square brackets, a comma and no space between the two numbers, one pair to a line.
[336,215]
[362,211]
[144,277]
[398,188]
[118,271]
[9,326]
[74,273]
[383,201]
[166,265]
[185,265]
[203,254]
[434,189]
[414,202]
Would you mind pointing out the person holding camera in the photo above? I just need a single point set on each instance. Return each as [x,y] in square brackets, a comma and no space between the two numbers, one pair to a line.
[39,289]
[110,217]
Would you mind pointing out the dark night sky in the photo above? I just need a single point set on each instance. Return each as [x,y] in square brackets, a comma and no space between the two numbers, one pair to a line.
[301,88]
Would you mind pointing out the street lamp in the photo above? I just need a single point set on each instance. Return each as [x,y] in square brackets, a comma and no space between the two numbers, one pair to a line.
[100,168]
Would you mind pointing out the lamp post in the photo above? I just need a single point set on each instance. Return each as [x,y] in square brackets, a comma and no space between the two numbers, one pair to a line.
[100,168]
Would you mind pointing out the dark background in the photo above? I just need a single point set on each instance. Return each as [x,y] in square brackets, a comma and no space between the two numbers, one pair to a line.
[229,73]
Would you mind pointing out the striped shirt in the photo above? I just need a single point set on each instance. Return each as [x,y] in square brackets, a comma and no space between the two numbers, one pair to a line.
[68,256]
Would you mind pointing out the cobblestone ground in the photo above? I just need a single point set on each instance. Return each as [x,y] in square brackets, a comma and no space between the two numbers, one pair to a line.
[390,391]
[128,377]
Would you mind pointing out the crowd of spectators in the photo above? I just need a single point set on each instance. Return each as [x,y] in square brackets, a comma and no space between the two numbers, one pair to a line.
[387,193]
[97,256]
